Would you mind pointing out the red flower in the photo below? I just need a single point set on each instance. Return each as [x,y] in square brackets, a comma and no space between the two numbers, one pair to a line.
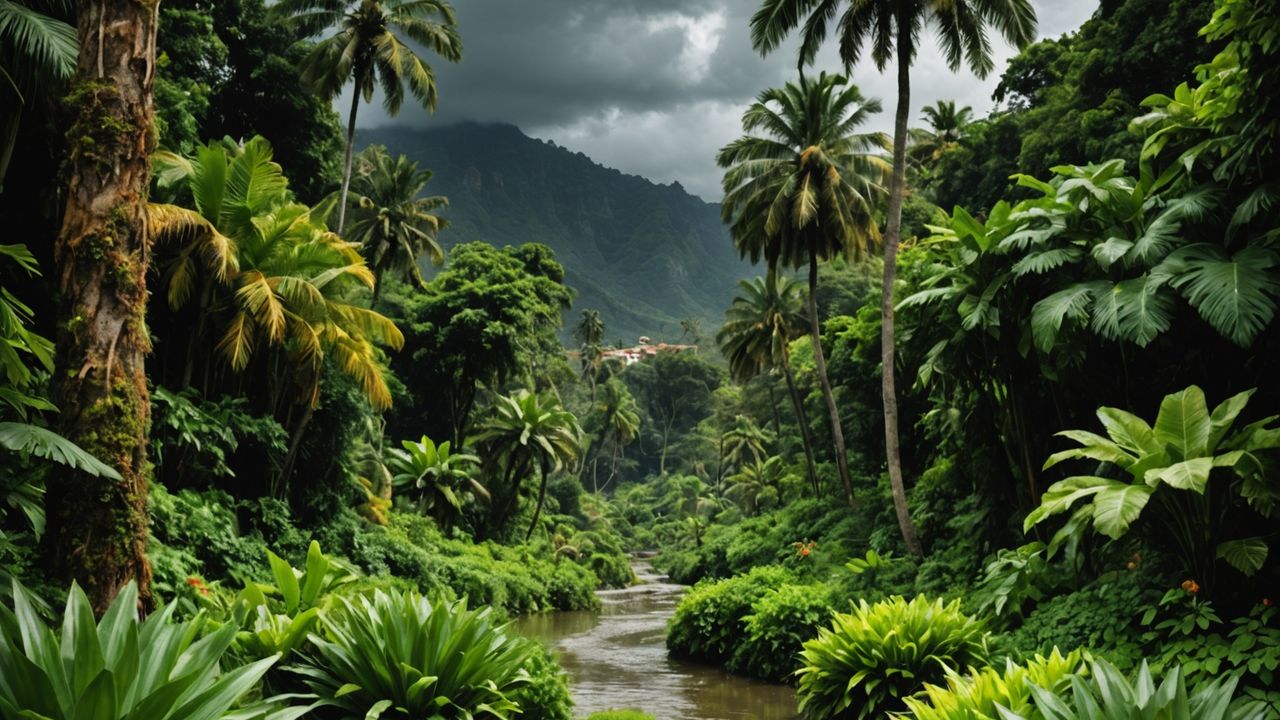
[1266,602]
[198,584]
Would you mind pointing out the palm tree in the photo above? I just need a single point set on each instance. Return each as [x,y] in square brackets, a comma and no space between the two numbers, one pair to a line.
[618,418]
[590,332]
[946,126]
[270,272]
[892,27]
[37,55]
[369,47]
[440,477]
[391,222]
[804,192]
[746,440]
[757,333]
[754,483]
[527,430]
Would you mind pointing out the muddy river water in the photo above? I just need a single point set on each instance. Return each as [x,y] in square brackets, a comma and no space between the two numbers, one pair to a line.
[617,658]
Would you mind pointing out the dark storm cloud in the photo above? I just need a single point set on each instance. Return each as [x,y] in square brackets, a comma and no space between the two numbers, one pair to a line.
[652,87]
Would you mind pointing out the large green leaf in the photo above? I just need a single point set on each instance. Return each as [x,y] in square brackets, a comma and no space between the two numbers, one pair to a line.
[1094,447]
[1225,415]
[1183,423]
[35,440]
[1048,315]
[1247,555]
[1063,494]
[1186,475]
[1117,506]
[1236,295]
[1130,432]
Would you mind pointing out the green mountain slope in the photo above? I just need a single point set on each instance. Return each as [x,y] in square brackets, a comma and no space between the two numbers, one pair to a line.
[645,255]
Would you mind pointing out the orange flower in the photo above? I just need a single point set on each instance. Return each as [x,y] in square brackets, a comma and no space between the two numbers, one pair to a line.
[804,552]
[198,584]
[1191,586]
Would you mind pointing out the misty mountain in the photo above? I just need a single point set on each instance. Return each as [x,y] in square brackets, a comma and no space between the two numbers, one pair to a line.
[645,255]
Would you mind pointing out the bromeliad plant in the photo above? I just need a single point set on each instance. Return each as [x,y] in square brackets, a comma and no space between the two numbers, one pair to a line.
[868,661]
[987,693]
[278,618]
[1105,694]
[121,668]
[394,655]
[441,478]
[1191,467]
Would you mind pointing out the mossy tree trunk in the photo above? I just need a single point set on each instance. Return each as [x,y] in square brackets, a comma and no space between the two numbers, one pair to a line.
[97,531]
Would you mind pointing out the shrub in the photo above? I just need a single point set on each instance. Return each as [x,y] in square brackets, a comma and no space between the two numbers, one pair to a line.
[1106,693]
[1191,637]
[777,628]
[120,667]
[708,622]
[1099,618]
[572,587]
[546,696]
[983,693]
[399,655]
[869,660]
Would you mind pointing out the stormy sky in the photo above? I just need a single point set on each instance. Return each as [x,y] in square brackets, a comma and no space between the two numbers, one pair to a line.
[654,87]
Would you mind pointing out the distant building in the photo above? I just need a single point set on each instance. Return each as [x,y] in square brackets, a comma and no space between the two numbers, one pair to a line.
[645,347]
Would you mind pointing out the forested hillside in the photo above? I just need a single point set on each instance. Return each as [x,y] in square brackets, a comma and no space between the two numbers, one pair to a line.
[646,256]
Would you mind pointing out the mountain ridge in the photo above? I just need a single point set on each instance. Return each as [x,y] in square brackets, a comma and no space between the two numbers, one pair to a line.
[646,255]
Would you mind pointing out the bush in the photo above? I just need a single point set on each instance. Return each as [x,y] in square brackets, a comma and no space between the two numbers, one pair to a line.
[546,697]
[1099,618]
[984,693]
[777,628]
[205,525]
[404,656]
[869,660]
[708,622]
[120,667]
[572,587]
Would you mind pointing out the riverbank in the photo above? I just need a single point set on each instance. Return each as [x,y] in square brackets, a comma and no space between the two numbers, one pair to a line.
[616,657]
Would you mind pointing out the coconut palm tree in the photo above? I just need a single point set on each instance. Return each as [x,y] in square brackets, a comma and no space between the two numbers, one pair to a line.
[803,191]
[270,273]
[38,49]
[757,333]
[391,221]
[947,124]
[526,430]
[617,417]
[746,441]
[369,47]
[890,30]
[590,333]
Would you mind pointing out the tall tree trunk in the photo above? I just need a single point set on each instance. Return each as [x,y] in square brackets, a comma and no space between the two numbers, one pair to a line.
[820,360]
[542,498]
[281,485]
[892,235]
[346,164]
[97,531]
[802,419]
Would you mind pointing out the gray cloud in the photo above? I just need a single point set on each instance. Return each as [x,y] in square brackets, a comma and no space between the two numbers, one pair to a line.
[653,87]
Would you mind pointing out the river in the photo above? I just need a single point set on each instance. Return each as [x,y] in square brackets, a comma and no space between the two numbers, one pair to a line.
[617,658]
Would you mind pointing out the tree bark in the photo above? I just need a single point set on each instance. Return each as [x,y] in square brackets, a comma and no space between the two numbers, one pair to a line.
[802,418]
[97,531]
[820,360]
[346,165]
[892,235]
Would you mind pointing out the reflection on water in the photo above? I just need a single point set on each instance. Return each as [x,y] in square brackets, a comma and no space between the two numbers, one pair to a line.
[617,658]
